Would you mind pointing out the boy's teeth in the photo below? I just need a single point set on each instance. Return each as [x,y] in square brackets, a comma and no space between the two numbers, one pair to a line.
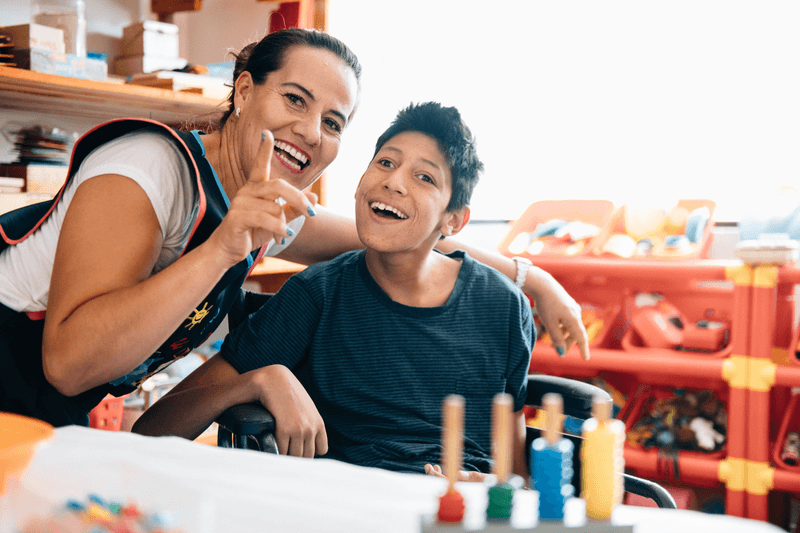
[384,207]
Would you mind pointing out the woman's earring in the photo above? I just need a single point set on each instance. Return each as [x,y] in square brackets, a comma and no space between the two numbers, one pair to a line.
[238,111]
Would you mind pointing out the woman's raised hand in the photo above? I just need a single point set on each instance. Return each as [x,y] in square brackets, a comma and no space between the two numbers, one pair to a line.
[255,215]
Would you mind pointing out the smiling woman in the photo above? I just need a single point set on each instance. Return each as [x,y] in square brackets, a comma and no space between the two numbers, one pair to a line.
[143,253]
[626,100]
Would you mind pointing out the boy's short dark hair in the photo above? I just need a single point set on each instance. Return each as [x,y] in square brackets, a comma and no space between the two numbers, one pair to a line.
[444,124]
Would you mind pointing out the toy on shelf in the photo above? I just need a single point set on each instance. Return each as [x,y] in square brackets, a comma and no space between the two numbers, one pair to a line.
[602,462]
[786,451]
[557,227]
[551,460]
[96,515]
[656,323]
[647,231]
[791,449]
[695,421]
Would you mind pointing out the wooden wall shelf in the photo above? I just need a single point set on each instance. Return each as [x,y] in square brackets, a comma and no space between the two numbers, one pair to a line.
[24,90]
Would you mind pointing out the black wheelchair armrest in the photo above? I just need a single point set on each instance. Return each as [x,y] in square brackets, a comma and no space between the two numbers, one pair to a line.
[649,489]
[577,395]
[247,425]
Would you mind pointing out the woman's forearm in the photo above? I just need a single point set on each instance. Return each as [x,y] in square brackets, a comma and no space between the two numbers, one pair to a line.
[323,237]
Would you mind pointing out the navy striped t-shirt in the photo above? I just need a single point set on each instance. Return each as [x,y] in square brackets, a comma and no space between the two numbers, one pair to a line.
[378,370]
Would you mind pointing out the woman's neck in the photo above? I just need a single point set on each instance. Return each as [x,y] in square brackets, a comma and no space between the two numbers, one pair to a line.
[222,155]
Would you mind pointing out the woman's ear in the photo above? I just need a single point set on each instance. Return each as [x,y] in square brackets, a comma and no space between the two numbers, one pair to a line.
[244,86]
[455,221]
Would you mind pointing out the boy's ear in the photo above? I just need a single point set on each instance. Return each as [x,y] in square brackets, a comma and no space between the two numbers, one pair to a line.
[455,221]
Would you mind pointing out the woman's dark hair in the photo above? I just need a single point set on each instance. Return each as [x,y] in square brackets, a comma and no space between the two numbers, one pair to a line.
[267,55]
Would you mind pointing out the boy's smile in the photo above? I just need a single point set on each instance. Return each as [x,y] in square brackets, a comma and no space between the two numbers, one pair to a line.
[402,198]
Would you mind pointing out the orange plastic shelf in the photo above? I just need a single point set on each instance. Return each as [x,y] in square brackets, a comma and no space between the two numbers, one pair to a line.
[663,367]
[693,467]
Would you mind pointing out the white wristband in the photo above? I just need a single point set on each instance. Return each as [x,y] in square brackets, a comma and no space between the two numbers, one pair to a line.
[523,265]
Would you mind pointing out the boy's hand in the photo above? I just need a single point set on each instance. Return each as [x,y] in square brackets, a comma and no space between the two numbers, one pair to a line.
[463,475]
[299,428]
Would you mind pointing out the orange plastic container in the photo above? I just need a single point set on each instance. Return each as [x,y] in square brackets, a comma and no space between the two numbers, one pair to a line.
[595,212]
[617,226]
[19,436]
[107,414]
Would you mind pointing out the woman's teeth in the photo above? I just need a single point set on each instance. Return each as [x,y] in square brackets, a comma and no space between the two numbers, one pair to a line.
[293,157]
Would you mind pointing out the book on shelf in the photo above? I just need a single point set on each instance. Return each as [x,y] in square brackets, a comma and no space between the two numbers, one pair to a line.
[36,178]
[11,185]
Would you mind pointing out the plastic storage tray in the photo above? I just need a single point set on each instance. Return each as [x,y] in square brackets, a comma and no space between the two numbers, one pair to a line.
[693,250]
[594,212]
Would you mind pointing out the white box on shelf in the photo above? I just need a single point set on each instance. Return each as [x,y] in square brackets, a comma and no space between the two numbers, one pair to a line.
[150,38]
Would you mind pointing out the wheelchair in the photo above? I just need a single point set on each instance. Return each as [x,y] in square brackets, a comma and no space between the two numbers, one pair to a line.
[251,426]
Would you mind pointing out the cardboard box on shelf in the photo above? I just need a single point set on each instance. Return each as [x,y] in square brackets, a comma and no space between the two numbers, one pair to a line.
[150,38]
[209,86]
[126,66]
[68,65]
[37,37]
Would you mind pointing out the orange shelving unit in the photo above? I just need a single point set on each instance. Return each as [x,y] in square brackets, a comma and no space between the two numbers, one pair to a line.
[756,374]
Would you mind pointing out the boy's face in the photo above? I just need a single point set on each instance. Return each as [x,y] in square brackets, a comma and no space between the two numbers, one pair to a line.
[402,198]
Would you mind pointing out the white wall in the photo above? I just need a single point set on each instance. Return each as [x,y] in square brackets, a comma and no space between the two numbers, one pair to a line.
[628,100]
[208,35]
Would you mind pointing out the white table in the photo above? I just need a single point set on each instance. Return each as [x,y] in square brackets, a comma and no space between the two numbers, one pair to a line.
[209,489]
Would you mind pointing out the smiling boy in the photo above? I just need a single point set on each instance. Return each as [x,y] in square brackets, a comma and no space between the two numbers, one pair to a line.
[373,340]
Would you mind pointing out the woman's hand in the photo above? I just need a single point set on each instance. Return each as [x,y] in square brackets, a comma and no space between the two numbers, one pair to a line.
[559,312]
[255,215]
[463,475]
[299,428]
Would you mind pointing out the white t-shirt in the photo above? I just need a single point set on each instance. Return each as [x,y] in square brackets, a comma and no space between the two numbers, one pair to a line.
[147,157]
[151,159]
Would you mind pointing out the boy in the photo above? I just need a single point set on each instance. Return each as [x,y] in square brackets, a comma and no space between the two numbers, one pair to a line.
[372,341]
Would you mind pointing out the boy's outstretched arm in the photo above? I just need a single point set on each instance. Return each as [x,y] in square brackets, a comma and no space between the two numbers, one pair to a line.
[559,312]
[189,408]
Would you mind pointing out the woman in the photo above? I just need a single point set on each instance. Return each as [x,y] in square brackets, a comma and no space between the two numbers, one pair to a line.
[141,257]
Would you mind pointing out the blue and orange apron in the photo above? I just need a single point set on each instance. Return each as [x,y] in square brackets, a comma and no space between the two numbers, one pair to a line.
[23,387]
